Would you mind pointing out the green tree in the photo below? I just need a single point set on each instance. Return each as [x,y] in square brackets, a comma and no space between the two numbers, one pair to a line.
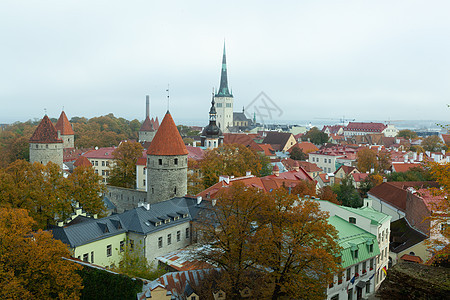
[85,188]
[231,159]
[346,193]
[134,264]
[298,154]
[31,263]
[315,136]
[123,172]
[414,174]
[407,134]
[432,143]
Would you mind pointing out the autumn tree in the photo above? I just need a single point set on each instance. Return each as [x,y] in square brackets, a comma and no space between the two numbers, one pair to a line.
[346,193]
[273,238]
[123,172]
[432,143]
[368,183]
[31,263]
[231,159]
[86,190]
[366,160]
[298,154]
[315,136]
[304,187]
[195,182]
[407,134]
[418,173]
[45,192]
[326,193]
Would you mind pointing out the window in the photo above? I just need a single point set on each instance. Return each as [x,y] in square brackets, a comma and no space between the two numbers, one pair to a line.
[335,297]
[107,163]
[371,264]
[103,173]
[339,278]
[122,246]
[160,161]
[178,235]
[228,104]
[103,163]
[187,232]
[350,294]
[86,257]
[175,161]
[175,190]
[160,242]
[143,182]
[169,239]
[92,256]
[193,298]
[357,270]
[352,220]
[108,250]
[219,105]
[367,287]
[96,163]
[348,274]
[96,171]
[364,266]
[371,248]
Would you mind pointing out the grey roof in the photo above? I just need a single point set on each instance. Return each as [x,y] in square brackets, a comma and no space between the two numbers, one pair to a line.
[240,116]
[403,236]
[138,220]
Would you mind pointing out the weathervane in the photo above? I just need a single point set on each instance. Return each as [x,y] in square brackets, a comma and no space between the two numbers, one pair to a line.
[168,96]
[45,111]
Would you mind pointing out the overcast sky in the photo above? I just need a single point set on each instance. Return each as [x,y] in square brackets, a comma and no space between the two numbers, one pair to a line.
[367,60]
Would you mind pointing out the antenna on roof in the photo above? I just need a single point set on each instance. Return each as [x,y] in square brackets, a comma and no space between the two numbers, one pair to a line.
[168,96]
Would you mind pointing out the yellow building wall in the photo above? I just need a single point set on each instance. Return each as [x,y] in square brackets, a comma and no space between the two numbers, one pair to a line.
[99,250]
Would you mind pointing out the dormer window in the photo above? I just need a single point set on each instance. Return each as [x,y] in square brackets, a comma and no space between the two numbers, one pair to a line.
[352,220]
[176,218]
[166,221]
[185,215]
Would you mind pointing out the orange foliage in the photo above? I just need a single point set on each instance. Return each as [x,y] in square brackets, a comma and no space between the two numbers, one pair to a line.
[31,264]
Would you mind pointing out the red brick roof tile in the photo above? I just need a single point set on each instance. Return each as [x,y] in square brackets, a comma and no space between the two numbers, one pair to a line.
[45,133]
[63,125]
[82,161]
[167,140]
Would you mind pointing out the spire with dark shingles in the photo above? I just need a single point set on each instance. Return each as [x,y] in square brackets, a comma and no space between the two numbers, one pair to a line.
[223,90]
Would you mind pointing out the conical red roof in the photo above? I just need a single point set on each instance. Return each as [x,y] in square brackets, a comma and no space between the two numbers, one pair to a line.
[63,125]
[167,140]
[147,125]
[45,133]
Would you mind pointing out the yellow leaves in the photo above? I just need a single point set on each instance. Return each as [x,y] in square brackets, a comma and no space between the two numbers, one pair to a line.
[123,173]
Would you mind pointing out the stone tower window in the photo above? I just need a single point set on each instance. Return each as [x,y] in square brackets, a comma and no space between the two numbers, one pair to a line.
[175,161]
[46,146]
[153,190]
[175,190]
[160,161]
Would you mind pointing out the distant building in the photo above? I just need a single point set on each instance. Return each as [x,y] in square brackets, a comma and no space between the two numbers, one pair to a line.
[102,160]
[65,130]
[360,128]
[224,99]
[147,130]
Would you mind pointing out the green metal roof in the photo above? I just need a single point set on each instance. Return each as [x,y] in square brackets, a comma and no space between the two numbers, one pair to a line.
[376,217]
[351,238]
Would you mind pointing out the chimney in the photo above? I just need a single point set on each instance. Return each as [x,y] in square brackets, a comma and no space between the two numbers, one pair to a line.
[147,106]
[296,166]
[405,158]
[420,156]
[326,177]
[213,202]
[414,156]
[224,178]
[443,151]
[199,200]
[59,134]
[248,173]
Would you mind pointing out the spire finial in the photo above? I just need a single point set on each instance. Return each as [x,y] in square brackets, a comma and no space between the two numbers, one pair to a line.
[223,89]
[45,111]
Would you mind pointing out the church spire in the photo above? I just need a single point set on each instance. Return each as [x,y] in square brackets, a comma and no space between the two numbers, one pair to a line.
[223,89]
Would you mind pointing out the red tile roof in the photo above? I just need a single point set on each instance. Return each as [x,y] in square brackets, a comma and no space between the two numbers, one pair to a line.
[306,147]
[358,177]
[433,202]
[446,138]
[309,167]
[412,258]
[167,140]
[101,153]
[267,183]
[82,161]
[63,125]
[346,169]
[195,153]
[147,125]
[403,167]
[45,133]
[360,126]
[268,150]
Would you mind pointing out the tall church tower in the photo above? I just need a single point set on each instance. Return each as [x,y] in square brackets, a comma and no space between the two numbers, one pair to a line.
[166,163]
[224,99]
[65,131]
[212,136]
[46,144]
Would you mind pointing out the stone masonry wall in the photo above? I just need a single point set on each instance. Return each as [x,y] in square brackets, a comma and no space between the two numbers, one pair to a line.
[125,199]
[44,153]
[146,136]
[68,141]
[166,177]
